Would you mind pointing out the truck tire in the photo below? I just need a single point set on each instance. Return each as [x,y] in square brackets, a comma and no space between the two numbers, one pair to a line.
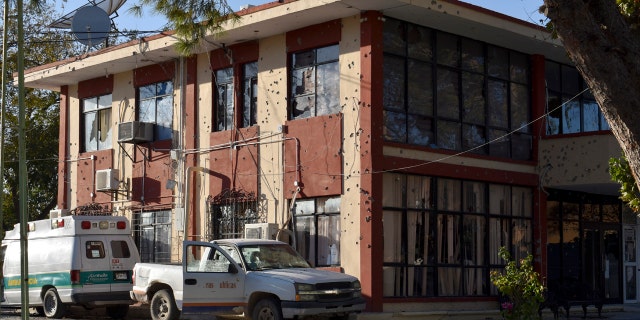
[267,309]
[51,304]
[118,311]
[163,306]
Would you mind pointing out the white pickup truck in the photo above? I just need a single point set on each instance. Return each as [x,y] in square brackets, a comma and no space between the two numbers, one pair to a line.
[259,279]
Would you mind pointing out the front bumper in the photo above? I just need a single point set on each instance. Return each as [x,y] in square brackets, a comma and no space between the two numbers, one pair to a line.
[291,309]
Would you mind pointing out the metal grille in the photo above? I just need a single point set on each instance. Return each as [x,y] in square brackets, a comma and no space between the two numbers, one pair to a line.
[92,209]
[229,211]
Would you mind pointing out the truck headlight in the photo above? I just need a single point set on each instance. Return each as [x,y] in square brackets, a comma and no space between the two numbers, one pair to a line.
[357,289]
[305,292]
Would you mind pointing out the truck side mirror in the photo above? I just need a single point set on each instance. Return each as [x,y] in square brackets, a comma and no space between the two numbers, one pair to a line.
[232,268]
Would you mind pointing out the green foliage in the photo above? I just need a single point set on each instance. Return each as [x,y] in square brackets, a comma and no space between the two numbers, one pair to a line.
[42,117]
[191,20]
[522,285]
[620,172]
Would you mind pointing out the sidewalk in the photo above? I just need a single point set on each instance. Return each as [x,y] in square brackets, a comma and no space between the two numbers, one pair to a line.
[612,312]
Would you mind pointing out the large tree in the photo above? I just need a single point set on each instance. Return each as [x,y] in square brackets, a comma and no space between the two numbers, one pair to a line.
[42,116]
[603,40]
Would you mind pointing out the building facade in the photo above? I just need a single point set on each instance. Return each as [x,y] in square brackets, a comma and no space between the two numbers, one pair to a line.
[403,143]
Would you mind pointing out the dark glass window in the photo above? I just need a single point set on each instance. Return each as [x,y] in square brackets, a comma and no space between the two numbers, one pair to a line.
[570,105]
[250,94]
[120,249]
[225,102]
[442,236]
[152,231]
[446,91]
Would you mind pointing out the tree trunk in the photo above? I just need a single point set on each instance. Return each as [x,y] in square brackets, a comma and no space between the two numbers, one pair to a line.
[606,52]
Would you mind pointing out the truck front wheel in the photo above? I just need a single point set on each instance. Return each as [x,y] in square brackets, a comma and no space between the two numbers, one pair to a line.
[163,306]
[51,304]
[267,309]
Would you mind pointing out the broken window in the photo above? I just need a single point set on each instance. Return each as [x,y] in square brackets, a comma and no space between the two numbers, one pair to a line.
[315,82]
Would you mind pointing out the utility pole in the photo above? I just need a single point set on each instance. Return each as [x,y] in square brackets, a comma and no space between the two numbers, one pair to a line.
[22,169]
[3,100]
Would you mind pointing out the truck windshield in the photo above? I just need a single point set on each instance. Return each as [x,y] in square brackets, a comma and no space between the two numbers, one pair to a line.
[272,256]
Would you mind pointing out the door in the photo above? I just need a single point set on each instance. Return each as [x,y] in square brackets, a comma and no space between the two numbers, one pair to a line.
[213,281]
[602,260]
[630,264]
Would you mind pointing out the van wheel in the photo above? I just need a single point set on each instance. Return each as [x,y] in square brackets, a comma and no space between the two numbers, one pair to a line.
[267,309]
[117,311]
[51,304]
[163,306]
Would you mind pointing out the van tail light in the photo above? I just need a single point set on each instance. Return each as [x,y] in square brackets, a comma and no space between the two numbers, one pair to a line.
[133,276]
[121,225]
[75,276]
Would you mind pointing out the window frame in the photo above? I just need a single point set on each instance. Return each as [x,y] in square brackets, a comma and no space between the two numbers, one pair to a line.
[312,92]
[427,225]
[100,110]
[441,121]
[163,128]
[317,211]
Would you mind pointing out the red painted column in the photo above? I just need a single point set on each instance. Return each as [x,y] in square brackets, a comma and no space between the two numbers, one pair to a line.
[538,108]
[371,141]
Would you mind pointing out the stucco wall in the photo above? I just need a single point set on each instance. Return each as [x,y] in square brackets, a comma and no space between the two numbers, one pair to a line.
[578,162]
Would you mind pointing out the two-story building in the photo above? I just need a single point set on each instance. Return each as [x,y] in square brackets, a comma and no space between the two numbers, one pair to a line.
[403,142]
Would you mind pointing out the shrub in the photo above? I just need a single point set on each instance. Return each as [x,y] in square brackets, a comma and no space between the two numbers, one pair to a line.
[521,285]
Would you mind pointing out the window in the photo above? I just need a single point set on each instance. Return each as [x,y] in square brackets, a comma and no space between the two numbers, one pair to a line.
[250,94]
[95,250]
[317,223]
[120,249]
[315,82]
[96,114]
[155,105]
[436,232]
[225,105]
[152,232]
[445,91]
[206,259]
[570,109]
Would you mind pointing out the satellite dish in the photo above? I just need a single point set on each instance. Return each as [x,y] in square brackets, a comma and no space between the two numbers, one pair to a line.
[110,6]
[91,25]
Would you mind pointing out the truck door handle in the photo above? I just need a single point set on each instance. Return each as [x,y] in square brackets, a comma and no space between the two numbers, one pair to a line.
[190,281]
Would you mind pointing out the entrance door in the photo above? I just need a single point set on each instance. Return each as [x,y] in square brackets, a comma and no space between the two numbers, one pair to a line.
[601,260]
[630,264]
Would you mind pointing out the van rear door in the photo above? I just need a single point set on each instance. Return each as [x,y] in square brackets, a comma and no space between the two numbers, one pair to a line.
[123,256]
[95,272]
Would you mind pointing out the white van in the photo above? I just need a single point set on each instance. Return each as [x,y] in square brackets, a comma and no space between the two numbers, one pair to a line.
[73,260]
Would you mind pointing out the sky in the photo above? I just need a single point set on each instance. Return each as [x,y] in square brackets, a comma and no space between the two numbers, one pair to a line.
[522,9]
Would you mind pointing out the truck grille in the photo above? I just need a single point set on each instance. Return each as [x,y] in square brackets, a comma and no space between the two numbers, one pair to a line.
[340,291]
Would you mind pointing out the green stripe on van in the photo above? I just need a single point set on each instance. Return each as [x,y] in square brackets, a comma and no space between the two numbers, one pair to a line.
[63,279]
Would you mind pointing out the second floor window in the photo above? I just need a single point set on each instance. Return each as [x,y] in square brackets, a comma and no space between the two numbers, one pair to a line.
[315,82]
[96,114]
[571,109]
[250,95]
[449,92]
[155,105]
[224,105]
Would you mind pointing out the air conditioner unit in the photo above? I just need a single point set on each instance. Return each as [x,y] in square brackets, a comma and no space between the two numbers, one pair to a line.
[107,180]
[135,132]
[58,213]
[261,231]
